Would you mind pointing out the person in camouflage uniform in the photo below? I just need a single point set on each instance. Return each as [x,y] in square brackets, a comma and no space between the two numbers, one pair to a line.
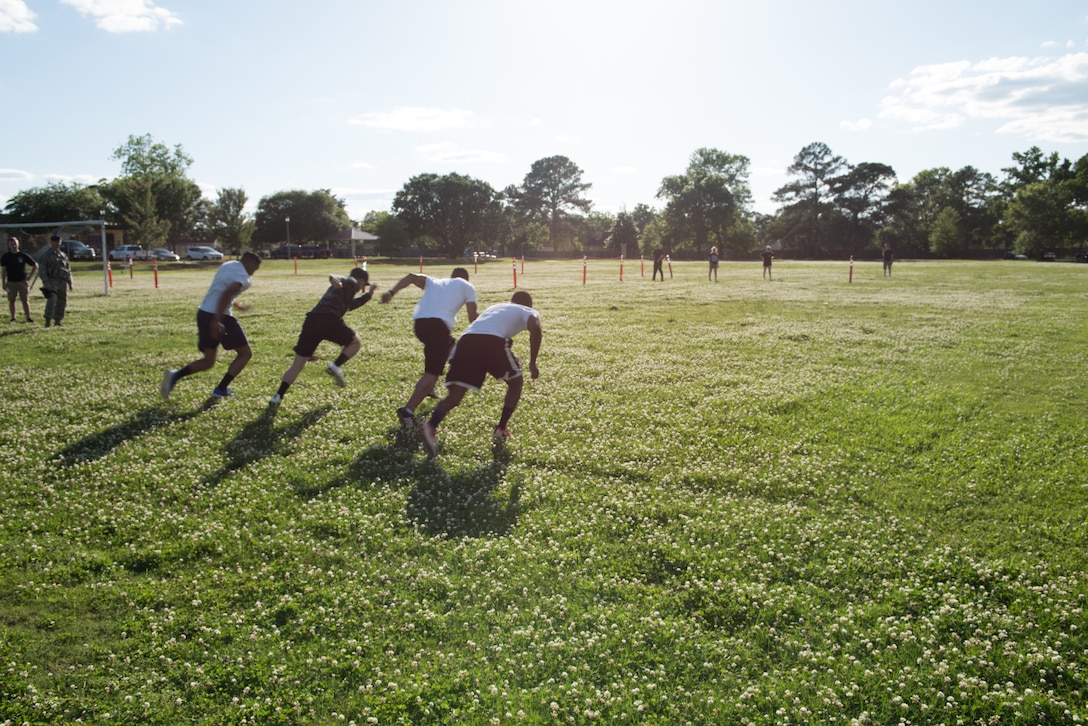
[56,278]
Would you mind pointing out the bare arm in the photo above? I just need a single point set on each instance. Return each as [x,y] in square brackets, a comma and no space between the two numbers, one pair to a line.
[470,308]
[535,337]
[411,278]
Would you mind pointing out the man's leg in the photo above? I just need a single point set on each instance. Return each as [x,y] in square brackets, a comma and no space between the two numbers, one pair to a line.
[514,387]
[26,304]
[289,377]
[236,366]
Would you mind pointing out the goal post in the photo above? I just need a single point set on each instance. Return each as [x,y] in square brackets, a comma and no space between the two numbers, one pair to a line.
[58,227]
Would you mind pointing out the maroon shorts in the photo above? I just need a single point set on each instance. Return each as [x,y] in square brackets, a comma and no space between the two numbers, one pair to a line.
[476,356]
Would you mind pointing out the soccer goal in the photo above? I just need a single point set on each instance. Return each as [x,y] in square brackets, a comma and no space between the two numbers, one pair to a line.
[59,228]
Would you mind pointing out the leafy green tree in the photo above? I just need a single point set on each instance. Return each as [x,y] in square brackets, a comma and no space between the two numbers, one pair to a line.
[708,204]
[642,215]
[393,237]
[315,217]
[456,211]
[1042,211]
[228,221]
[56,202]
[808,202]
[140,217]
[148,167]
[1042,217]
[861,197]
[624,235]
[551,193]
[593,230]
[944,236]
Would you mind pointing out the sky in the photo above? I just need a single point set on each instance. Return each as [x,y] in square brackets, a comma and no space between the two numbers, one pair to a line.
[359,96]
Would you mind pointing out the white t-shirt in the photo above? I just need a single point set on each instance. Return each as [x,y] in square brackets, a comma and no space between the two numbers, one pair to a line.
[443,297]
[504,320]
[227,274]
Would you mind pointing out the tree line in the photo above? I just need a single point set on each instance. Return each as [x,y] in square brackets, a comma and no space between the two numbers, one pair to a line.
[829,208]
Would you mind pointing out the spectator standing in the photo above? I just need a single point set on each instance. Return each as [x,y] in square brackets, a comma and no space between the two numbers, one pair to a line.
[56,275]
[13,266]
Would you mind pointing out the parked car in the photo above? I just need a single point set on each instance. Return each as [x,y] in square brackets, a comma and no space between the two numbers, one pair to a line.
[163,255]
[315,252]
[76,250]
[1020,257]
[203,253]
[128,252]
[1082,257]
[286,252]
[1049,257]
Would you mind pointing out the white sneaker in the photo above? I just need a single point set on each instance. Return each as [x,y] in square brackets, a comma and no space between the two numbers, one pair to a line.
[334,370]
[275,400]
[167,384]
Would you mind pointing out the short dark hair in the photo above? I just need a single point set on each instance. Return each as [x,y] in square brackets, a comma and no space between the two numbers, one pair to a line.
[360,274]
[459,272]
[55,238]
[522,298]
[250,255]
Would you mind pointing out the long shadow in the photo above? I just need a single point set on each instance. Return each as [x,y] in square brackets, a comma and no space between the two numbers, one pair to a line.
[101,443]
[387,462]
[259,438]
[464,504]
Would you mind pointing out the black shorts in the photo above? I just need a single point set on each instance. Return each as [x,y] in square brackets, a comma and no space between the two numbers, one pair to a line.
[321,327]
[437,344]
[477,355]
[233,336]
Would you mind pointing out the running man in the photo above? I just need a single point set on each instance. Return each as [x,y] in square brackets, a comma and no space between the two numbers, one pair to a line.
[215,326]
[326,322]
[485,347]
[434,317]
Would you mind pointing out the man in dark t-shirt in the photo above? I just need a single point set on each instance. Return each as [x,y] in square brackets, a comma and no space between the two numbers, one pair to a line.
[13,266]
[326,322]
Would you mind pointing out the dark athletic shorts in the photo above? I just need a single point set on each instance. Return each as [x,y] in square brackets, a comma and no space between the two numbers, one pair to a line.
[321,327]
[477,355]
[437,344]
[233,338]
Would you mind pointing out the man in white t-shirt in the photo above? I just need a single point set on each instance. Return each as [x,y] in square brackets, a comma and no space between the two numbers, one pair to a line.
[485,348]
[433,321]
[215,326]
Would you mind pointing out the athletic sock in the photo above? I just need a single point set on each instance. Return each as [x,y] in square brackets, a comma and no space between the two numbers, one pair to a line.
[504,418]
[436,417]
[186,371]
[284,385]
[340,360]
[227,378]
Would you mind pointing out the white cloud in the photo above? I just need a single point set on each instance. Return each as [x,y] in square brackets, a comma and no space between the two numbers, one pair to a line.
[452,154]
[16,17]
[84,179]
[416,119]
[859,125]
[15,175]
[1044,99]
[125,16]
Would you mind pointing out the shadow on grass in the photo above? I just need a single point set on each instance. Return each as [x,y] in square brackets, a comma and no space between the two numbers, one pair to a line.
[464,504]
[101,443]
[388,462]
[259,438]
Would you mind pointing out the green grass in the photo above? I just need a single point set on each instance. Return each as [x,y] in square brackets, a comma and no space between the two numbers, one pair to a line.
[798,501]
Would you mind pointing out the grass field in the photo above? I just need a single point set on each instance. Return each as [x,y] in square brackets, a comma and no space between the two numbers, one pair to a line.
[800,501]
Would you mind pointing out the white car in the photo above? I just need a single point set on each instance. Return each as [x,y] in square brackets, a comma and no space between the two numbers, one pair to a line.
[203,253]
[128,252]
[163,255]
